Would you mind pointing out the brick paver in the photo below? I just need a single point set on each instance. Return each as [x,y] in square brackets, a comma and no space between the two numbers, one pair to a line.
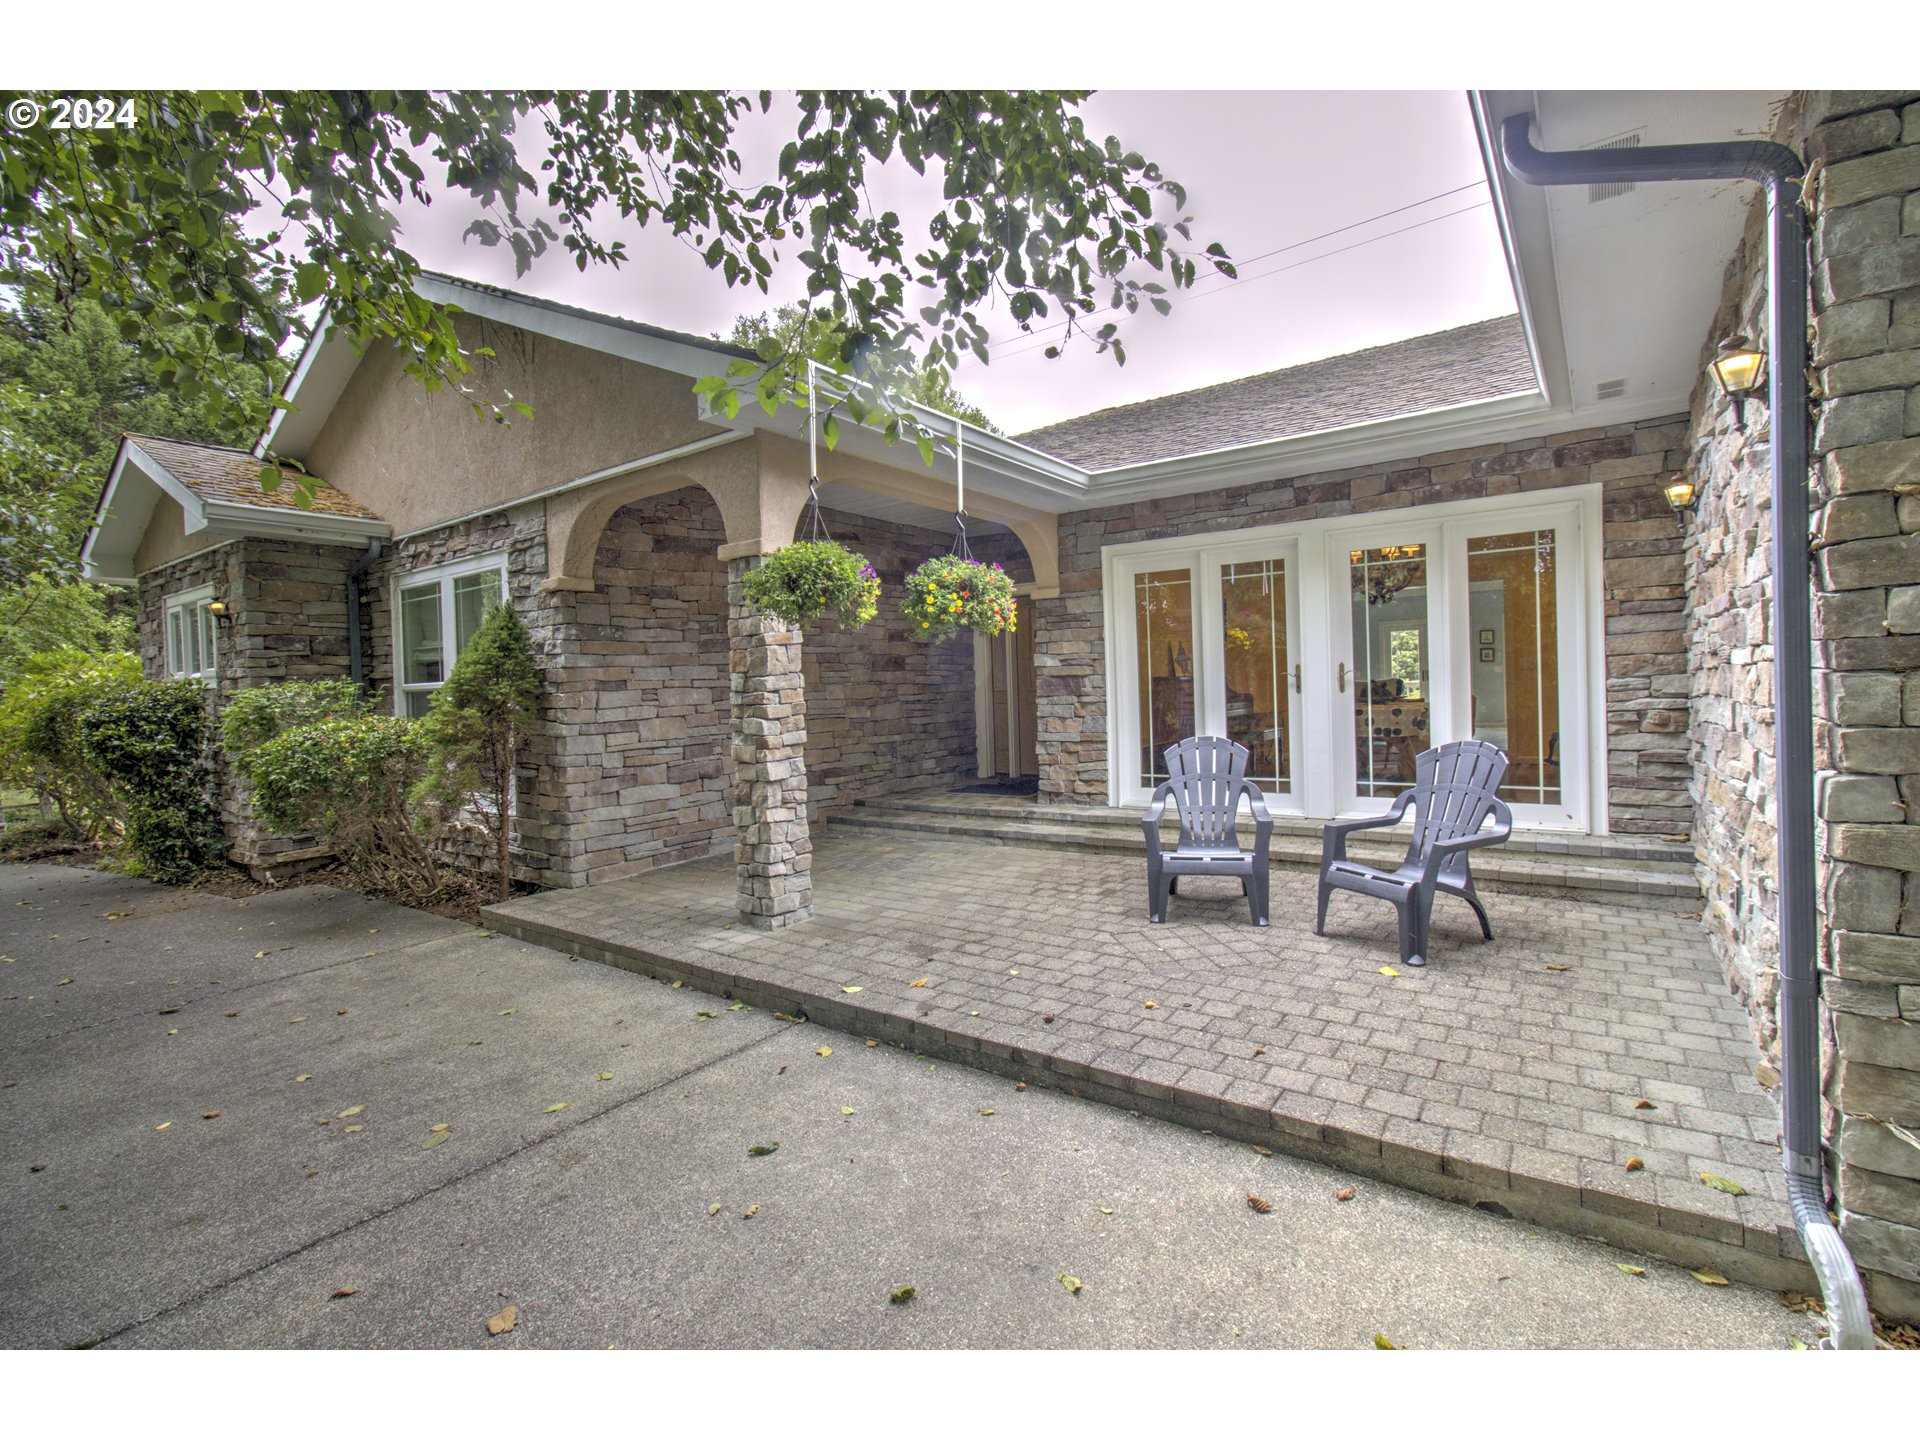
[1487,1076]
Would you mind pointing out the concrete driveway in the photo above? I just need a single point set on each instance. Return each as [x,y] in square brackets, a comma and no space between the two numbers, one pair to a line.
[220,1114]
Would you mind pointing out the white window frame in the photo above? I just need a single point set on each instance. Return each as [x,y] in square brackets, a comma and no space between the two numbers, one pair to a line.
[1323,542]
[187,609]
[444,576]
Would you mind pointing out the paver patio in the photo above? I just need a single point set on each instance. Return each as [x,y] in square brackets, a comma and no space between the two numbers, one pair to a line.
[1520,1075]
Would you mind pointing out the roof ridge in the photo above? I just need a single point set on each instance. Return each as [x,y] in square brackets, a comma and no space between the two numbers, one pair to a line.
[1258,376]
[196,444]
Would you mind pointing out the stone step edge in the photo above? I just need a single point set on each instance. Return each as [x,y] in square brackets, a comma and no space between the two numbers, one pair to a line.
[1547,873]
[1590,849]
[1769,1257]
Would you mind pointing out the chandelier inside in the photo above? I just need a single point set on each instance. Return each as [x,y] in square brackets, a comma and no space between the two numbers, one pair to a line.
[1383,573]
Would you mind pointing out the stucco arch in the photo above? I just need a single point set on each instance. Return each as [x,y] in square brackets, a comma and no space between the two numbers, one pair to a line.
[760,506]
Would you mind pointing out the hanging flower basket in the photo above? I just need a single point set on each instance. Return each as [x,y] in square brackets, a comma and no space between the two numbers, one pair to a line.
[951,592]
[814,579]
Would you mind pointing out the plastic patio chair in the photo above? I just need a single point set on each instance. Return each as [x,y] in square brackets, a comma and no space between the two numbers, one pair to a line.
[1453,795]
[1208,775]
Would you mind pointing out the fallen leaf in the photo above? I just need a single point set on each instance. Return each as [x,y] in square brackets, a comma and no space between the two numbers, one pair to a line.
[301,1079]
[556,1107]
[476,1042]
[738,1005]
[163,1124]
[758,1150]
[233,1014]
[1796,1343]
[350,1112]
[344,1291]
[846,1110]
[1635,1163]
[714,1208]
[1261,1051]
[1725,1187]
[1106,1210]
[749,1212]
[339,1012]
[985,1110]
[354,1129]
[259,954]
[1074,1287]
[1046,1019]
[298,1020]
[1346,1194]
[1559,967]
[824,1051]
[1259,1206]
[503,1322]
[606,1074]
[323,1120]
[1261,1150]
[1380,1342]
[170,1032]
[514,1011]
[901,1294]
[1708,1276]
[678,984]
[210,1115]
[1645,1105]
[1152,1005]
[434,1139]
[922,981]
[1390,972]
[706,1014]
[174,1011]
[1020,1085]
[851,989]
[873,1044]
[790,1019]
[1630,1269]
[438,1129]
[1806,1304]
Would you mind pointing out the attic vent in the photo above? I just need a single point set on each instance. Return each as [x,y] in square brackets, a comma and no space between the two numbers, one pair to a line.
[1597,193]
[1609,389]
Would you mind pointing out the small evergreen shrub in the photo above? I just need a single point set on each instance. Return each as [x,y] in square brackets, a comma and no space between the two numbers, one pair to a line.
[477,728]
[811,580]
[949,593]
[350,778]
[256,715]
[149,740]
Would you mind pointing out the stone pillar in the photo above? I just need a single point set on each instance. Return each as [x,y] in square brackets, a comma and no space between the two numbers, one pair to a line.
[773,853]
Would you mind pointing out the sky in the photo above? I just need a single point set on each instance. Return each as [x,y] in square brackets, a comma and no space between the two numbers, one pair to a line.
[1356,218]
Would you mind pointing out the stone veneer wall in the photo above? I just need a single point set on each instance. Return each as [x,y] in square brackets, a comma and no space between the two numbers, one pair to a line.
[289,622]
[1865,150]
[1646,662]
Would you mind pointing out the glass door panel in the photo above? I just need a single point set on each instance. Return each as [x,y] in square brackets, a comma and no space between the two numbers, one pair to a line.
[1164,646]
[1388,675]
[1513,612]
[1259,669]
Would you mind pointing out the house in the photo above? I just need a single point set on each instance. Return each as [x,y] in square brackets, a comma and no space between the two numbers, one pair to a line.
[1461,534]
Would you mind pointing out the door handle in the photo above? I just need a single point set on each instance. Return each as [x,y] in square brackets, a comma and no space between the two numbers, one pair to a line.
[1296,679]
[1343,677]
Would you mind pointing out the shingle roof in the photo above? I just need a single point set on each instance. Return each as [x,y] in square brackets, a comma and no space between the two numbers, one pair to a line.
[1450,367]
[638,327]
[219,472]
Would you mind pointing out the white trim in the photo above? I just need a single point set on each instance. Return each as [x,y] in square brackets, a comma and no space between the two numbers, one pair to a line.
[1324,790]
[190,606]
[442,575]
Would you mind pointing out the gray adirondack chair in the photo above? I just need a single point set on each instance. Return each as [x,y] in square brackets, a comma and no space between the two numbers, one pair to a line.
[1452,796]
[1208,777]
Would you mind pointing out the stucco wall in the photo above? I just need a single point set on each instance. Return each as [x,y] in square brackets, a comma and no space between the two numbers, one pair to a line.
[1646,699]
[417,459]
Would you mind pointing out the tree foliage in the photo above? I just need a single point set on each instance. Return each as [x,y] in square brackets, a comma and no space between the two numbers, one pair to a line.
[478,726]
[205,223]
[149,740]
[41,744]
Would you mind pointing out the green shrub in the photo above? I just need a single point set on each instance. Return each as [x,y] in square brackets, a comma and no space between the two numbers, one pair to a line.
[477,726]
[149,740]
[40,739]
[350,777]
[948,592]
[810,579]
[259,713]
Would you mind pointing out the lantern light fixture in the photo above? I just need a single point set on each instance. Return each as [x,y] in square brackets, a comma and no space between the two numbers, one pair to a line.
[1682,494]
[1739,367]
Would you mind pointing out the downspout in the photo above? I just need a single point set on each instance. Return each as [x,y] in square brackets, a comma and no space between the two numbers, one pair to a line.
[1779,170]
[356,665]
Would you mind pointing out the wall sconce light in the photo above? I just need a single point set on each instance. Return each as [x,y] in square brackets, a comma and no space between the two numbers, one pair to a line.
[1682,494]
[218,609]
[1739,368]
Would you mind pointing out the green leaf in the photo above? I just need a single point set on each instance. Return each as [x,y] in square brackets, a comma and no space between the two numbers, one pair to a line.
[1071,1282]
[556,1107]
[434,1139]
[1380,1342]
[830,432]
[1630,1269]
[759,1150]
[1708,1276]
[1726,1187]
[901,1294]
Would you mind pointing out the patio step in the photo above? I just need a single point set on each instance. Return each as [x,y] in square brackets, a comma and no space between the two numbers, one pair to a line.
[1656,870]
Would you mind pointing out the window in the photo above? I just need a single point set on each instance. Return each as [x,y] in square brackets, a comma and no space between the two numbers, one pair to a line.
[190,635]
[436,613]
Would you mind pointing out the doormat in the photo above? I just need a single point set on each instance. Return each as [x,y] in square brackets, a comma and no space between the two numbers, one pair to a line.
[1023,785]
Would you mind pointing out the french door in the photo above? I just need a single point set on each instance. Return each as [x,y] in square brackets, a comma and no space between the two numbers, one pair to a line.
[1337,652]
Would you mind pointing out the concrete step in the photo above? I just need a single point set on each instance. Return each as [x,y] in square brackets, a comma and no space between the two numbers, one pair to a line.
[1622,872]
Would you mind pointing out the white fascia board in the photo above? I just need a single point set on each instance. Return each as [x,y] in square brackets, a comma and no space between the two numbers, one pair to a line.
[325,367]
[276,522]
[1526,238]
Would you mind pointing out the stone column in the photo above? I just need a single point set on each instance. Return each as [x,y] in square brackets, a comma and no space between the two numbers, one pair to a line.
[773,854]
